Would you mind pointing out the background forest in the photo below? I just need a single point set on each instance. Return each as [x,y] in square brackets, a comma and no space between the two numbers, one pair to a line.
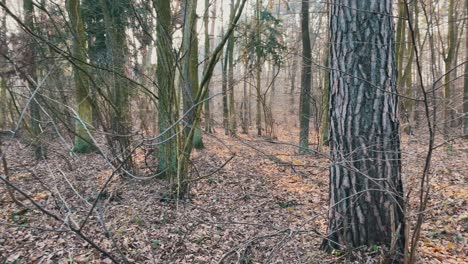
[233,131]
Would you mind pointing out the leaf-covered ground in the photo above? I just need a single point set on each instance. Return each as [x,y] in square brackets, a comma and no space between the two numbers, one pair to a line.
[266,205]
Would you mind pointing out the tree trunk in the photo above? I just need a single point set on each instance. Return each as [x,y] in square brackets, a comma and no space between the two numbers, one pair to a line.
[4,122]
[31,70]
[3,83]
[293,69]
[230,52]
[306,80]
[224,92]
[245,104]
[465,84]
[206,19]
[165,76]
[366,192]
[189,91]
[83,141]
[324,127]
[259,99]
[449,64]
[400,41]
[197,137]
[116,43]
[259,74]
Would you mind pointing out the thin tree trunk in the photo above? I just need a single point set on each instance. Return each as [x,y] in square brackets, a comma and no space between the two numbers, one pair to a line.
[3,81]
[366,192]
[259,99]
[293,70]
[224,92]
[306,80]
[449,64]
[245,104]
[230,65]
[197,137]
[465,84]
[208,44]
[324,127]
[30,57]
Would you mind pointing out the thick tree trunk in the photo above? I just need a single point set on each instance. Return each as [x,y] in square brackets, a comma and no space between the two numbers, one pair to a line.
[168,112]
[306,80]
[366,192]
[83,142]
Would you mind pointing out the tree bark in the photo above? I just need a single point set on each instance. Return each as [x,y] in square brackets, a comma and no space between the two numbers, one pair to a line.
[449,64]
[465,84]
[83,142]
[117,54]
[31,69]
[230,59]
[206,19]
[3,80]
[366,192]
[306,80]
[165,76]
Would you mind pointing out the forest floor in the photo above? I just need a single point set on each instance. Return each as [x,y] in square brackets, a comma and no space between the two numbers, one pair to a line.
[266,205]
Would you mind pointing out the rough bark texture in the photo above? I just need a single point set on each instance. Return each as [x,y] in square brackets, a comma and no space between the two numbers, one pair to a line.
[83,142]
[366,192]
[306,83]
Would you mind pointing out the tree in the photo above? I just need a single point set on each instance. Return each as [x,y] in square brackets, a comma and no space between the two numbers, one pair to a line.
[366,192]
[465,84]
[262,41]
[168,111]
[31,78]
[306,80]
[206,20]
[114,14]
[83,142]
[190,85]
[230,64]
[3,80]
[449,59]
